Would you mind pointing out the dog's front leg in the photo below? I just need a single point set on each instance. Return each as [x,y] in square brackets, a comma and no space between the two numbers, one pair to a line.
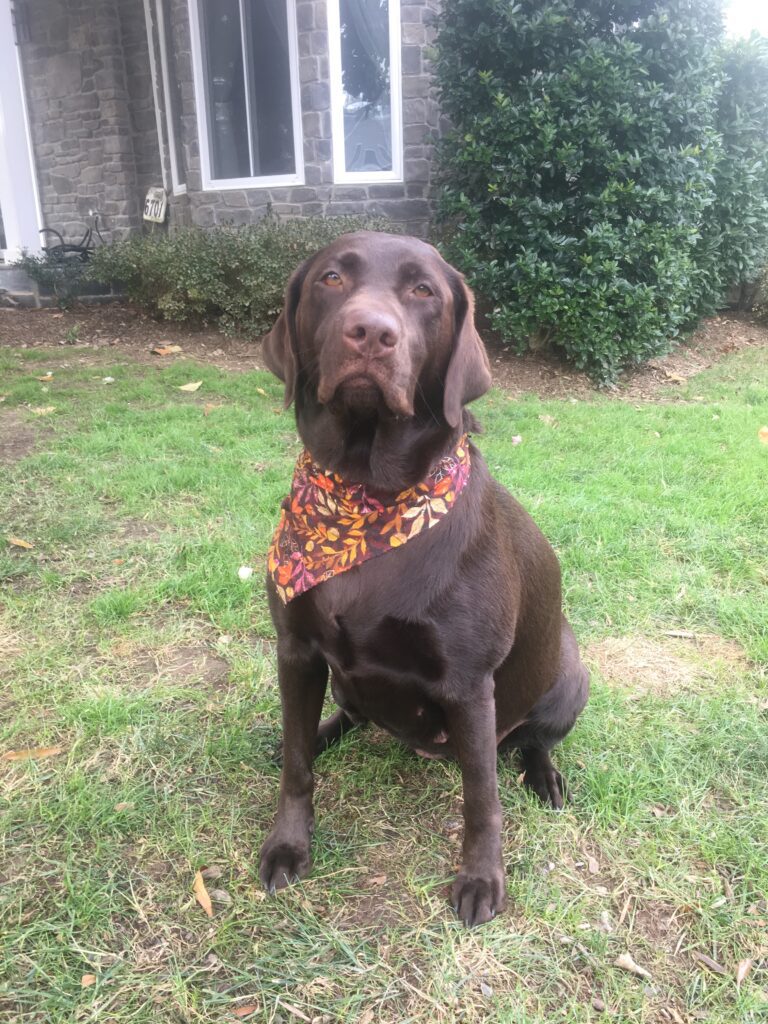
[479,892]
[285,855]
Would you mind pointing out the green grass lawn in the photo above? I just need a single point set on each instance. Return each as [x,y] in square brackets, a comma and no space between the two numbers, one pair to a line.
[128,640]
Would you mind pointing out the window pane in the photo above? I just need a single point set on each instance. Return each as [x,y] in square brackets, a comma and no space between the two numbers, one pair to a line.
[269,74]
[225,88]
[366,86]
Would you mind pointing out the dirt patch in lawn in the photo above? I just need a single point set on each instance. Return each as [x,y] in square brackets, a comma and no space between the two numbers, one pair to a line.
[17,437]
[179,666]
[125,331]
[663,666]
[134,530]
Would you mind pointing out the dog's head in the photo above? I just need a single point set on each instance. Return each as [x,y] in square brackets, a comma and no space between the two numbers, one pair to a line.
[379,323]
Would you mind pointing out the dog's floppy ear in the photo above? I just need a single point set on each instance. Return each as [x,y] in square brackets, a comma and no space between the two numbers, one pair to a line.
[279,347]
[469,373]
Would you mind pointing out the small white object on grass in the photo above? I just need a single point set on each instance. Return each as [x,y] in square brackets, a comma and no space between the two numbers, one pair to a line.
[109,380]
[245,572]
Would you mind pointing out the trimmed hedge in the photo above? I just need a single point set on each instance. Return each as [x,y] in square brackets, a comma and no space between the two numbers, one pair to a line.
[587,190]
[234,276]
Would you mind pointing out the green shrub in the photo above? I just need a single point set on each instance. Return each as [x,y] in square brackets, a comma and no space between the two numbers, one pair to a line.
[579,171]
[66,278]
[734,243]
[235,276]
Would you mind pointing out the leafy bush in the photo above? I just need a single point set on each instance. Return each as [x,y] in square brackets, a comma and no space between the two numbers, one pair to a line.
[734,243]
[235,276]
[579,177]
[66,278]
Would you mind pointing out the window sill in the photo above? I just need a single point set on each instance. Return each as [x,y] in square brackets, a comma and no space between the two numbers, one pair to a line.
[230,184]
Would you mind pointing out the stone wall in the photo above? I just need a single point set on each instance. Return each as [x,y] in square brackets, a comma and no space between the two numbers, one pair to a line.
[87,81]
[406,203]
[94,129]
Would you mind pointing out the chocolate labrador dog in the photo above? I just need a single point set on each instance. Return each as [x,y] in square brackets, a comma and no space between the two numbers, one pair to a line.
[451,637]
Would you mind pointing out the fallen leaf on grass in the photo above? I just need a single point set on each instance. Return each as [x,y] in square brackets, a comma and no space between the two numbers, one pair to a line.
[43,410]
[378,880]
[125,805]
[17,542]
[708,962]
[46,378]
[261,391]
[745,966]
[190,387]
[165,350]
[201,894]
[517,439]
[245,1011]
[592,866]
[763,435]
[294,1010]
[32,752]
[626,963]
[87,980]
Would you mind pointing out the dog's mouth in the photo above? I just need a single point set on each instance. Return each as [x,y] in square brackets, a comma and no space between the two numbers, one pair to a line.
[361,387]
[359,392]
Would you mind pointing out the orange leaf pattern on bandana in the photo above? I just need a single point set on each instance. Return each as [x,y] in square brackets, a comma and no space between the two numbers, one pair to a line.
[328,526]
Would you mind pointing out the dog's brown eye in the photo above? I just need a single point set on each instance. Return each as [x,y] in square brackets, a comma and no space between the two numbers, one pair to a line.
[332,279]
[422,291]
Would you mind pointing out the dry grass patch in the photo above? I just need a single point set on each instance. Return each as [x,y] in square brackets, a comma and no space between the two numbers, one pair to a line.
[178,666]
[661,667]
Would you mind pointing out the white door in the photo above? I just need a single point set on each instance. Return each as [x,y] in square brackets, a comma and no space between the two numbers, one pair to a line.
[19,202]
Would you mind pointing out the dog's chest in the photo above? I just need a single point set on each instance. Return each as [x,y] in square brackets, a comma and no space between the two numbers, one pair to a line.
[388,670]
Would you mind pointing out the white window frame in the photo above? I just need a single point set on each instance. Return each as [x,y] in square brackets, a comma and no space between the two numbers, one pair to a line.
[179,187]
[210,184]
[340,173]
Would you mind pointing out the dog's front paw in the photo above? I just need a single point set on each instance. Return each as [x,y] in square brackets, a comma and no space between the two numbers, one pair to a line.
[283,861]
[478,896]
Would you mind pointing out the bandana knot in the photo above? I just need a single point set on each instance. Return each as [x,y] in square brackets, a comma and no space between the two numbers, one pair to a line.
[328,526]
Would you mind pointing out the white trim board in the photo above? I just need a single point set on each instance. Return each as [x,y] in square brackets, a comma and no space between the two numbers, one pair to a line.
[155,90]
[19,197]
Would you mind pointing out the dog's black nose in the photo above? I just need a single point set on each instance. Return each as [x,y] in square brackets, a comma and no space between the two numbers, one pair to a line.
[370,330]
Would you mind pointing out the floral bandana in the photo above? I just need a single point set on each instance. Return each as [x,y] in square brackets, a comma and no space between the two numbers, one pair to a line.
[328,526]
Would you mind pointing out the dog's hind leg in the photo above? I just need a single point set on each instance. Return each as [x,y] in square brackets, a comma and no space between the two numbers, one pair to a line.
[331,729]
[549,721]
